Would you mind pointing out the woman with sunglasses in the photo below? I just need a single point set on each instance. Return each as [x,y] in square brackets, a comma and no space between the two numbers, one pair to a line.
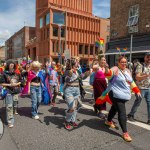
[119,89]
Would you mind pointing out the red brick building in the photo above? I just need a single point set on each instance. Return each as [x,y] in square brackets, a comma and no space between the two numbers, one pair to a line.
[67,24]
[2,53]
[130,17]
[16,44]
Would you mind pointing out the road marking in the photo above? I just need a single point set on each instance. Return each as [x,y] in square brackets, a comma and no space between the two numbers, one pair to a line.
[136,123]
[139,124]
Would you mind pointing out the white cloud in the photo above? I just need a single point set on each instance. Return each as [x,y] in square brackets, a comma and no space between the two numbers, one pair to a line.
[4,34]
[20,13]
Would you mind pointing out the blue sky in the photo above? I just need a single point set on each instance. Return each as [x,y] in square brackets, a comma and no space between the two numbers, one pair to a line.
[14,14]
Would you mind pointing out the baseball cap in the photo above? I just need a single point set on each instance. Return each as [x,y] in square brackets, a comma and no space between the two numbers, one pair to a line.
[148,53]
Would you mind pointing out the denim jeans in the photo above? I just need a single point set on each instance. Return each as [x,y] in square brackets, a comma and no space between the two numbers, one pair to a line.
[135,106]
[72,96]
[11,102]
[36,97]
[54,90]
[145,94]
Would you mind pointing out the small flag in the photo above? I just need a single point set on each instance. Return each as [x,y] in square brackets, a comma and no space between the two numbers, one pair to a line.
[118,49]
[97,44]
[124,49]
[101,41]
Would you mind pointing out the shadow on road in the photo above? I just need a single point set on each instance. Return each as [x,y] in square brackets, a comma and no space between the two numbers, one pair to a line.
[25,111]
[87,112]
[94,123]
[58,121]
[57,111]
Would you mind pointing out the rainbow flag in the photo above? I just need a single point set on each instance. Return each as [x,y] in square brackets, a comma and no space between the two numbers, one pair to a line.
[124,49]
[97,44]
[101,42]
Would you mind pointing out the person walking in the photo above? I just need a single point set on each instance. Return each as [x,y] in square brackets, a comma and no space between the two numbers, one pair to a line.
[100,86]
[12,82]
[54,83]
[143,81]
[119,89]
[35,88]
[72,94]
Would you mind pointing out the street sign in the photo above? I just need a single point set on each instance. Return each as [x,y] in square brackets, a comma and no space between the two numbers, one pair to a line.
[67,54]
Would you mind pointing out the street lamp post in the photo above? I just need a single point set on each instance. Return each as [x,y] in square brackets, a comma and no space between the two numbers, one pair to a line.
[131,46]
[60,49]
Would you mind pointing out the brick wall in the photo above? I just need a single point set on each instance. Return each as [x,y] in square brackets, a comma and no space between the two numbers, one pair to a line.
[120,13]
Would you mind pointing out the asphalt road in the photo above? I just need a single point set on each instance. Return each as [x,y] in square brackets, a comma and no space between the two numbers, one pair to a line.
[49,133]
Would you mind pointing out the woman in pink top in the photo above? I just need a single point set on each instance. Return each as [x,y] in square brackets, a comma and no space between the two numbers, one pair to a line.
[99,86]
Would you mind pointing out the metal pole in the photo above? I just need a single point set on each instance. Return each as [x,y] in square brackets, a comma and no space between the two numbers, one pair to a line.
[131,48]
[60,46]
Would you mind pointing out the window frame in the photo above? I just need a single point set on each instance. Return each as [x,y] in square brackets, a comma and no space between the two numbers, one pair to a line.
[133,15]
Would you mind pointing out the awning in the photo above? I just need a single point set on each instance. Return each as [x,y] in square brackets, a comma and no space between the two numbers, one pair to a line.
[135,50]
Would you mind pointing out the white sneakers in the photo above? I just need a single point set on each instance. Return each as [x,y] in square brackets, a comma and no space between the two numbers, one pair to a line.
[10,125]
[35,117]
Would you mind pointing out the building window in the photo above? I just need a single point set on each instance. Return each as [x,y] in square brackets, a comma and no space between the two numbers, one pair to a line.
[55,31]
[41,22]
[43,34]
[91,50]
[53,46]
[86,50]
[133,15]
[96,50]
[58,18]
[62,32]
[47,32]
[108,29]
[108,38]
[80,49]
[57,46]
[47,18]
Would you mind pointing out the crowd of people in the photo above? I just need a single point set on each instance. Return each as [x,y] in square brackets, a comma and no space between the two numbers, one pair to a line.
[43,82]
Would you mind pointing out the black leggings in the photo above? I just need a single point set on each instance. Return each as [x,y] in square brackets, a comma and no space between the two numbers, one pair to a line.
[118,106]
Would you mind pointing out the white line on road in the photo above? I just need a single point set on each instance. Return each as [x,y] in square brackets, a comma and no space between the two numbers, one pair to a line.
[139,124]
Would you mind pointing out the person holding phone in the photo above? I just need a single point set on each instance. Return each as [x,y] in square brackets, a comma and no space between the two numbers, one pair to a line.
[12,82]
